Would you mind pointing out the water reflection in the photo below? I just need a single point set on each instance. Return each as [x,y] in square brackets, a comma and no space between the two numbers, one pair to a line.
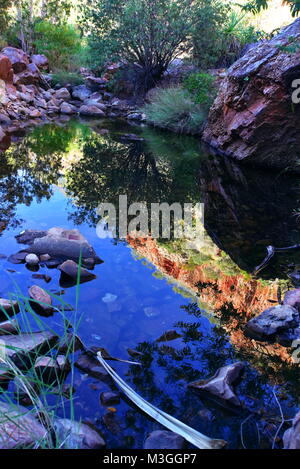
[246,210]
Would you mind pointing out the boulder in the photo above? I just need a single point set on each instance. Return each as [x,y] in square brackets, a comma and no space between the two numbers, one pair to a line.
[163,439]
[42,303]
[292,298]
[81,92]
[67,108]
[27,77]
[19,428]
[6,70]
[9,327]
[17,57]
[95,102]
[253,117]
[62,93]
[220,385]
[291,438]
[273,322]
[8,307]
[20,348]
[41,61]
[91,110]
[75,435]
[95,83]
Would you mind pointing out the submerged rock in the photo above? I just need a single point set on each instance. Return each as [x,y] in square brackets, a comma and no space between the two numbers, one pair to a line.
[110,398]
[291,438]
[19,429]
[42,300]
[69,270]
[75,435]
[169,335]
[162,439]
[58,244]
[220,385]
[91,366]
[273,322]
[253,117]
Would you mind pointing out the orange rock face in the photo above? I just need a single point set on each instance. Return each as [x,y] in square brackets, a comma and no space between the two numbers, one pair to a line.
[246,296]
[6,71]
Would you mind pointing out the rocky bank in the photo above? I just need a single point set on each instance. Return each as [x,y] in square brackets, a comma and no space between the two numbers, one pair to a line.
[27,97]
[253,117]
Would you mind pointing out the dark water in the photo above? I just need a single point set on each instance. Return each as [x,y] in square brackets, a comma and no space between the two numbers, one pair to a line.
[58,174]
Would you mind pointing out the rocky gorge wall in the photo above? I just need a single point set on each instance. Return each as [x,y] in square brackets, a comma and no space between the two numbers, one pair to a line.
[253,117]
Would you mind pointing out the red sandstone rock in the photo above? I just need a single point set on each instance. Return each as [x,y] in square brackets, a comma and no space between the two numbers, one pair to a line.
[253,116]
[17,57]
[6,71]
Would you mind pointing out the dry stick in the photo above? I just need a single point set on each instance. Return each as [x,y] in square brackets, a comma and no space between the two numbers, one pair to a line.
[270,253]
[282,420]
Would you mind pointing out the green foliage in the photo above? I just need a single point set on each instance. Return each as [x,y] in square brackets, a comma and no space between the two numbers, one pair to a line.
[60,43]
[208,32]
[149,33]
[65,78]
[4,15]
[174,109]
[201,87]
[255,6]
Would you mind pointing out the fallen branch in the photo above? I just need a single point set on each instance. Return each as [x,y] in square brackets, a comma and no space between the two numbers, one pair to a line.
[174,425]
[271,250]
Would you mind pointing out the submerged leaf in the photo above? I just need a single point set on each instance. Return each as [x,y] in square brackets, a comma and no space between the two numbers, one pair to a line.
[191,435]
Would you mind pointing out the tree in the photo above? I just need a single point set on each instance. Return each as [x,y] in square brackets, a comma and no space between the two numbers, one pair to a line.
[146,33]
[4,15]
[255,6]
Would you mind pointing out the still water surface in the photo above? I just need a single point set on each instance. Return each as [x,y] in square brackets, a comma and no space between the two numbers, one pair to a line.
[57,175]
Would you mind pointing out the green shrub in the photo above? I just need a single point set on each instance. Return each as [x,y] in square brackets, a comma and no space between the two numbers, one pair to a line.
[174,109]
[64,78]
[201,87]
[60,43]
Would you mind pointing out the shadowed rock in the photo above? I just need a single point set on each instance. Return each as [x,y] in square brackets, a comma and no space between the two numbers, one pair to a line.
[18,428]
[58,244]
[8,308]
[220,385]
[21,348]
[292,298]
[75,435]
[254,116]
[162,439]
[91,366]
[273,322]
[69,273]
[9,327]
[51,369]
